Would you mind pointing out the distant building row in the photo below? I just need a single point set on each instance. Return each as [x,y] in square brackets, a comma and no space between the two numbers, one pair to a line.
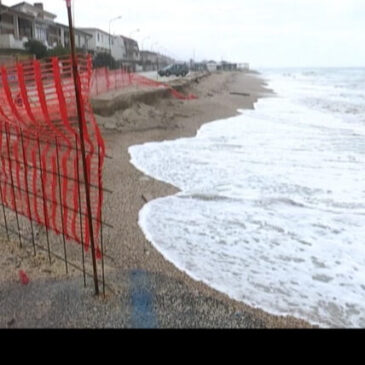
[24,21]
[212,66]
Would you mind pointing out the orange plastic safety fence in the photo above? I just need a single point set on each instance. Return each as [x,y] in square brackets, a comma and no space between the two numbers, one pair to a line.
[105,80]
[41,176]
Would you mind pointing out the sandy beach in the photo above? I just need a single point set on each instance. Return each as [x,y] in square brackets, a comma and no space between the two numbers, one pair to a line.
[148,291]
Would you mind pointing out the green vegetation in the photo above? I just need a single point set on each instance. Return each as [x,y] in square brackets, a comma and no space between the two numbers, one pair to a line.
[40,51]
[105,60]
[58,51]
[37,48]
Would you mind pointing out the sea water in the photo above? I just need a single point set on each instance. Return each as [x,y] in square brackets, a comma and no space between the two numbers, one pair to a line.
[272,203]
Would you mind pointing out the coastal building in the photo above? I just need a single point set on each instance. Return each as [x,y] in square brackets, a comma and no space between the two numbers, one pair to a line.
[103,42]
[152,61]
[123,49]
[212,66]
[133,57]
[82,38]
[227,66]
[119,49]
[24,21]
[198,66]
[243,66]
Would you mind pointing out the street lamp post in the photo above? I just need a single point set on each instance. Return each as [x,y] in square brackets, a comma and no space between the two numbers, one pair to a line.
[132,53]
[164,54]
[142,49]
[110,22]
[156,43]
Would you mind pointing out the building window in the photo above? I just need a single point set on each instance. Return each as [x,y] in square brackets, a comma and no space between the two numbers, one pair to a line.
[98,37]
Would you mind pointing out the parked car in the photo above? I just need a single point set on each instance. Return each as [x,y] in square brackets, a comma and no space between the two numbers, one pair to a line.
[176,69]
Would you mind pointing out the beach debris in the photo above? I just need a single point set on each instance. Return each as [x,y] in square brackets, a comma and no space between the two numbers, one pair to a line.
[241,94]
[11,322]
[146,252]
[147,197]
[144,178]
[24,279]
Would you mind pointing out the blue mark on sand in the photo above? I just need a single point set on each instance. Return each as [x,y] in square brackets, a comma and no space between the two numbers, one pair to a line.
[143,314]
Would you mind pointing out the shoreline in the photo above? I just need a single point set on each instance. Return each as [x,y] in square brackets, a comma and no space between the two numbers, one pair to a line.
[214,103]
[149,291]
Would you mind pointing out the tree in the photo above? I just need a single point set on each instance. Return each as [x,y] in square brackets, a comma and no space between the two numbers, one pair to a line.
[37,48]
[105,60]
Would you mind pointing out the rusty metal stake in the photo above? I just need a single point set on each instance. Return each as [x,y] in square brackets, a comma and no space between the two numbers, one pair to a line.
[12,184]
[61,208]
[81,116]
[3,206]
[27,192]
[5,220]
[80,210]
[101,221]
[45,212]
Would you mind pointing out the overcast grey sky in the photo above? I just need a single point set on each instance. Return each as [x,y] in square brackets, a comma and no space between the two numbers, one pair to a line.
[266,33]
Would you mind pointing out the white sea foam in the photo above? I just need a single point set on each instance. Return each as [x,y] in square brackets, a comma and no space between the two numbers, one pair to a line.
[272,204]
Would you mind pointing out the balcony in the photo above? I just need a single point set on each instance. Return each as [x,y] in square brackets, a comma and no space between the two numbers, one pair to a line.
[8,41]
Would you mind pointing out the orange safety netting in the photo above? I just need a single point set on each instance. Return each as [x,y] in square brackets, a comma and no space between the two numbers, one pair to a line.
[41,172]
[105,80]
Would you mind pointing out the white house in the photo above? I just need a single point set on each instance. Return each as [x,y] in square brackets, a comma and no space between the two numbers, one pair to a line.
[119,51]
[22,22]
[99,41]
[212,66]
[104,42]
[36,11]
